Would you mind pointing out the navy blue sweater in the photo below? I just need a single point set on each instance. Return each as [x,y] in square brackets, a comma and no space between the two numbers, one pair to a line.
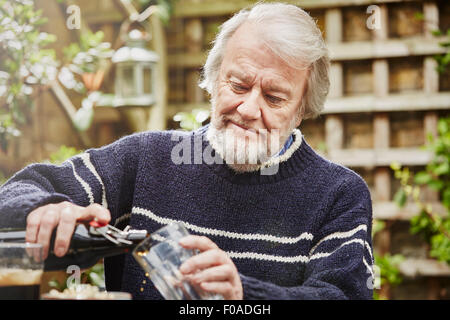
[303,232]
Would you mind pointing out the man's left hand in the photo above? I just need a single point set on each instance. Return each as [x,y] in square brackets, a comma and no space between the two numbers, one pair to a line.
[212,268]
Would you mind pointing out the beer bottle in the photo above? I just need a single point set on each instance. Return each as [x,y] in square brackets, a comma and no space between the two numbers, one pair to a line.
[87,246]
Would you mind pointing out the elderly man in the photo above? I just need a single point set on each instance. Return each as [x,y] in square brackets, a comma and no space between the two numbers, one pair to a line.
[271,218]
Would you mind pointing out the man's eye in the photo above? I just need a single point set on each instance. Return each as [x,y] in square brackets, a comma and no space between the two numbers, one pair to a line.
[274,99]
[237,87]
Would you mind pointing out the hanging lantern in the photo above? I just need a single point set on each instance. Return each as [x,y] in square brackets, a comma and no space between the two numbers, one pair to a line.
[135,72]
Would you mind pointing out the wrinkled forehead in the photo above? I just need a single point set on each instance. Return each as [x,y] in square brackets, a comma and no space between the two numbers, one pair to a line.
[263,43]
[247,54]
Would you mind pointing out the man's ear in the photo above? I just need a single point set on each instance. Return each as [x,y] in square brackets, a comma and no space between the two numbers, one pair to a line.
[302,106]
[299,120]
[300,115]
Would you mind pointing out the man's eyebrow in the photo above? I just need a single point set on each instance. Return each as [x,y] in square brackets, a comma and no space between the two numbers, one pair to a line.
[272,86]
[240,75]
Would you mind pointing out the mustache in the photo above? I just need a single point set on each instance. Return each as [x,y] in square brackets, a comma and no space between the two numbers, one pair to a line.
[239,122]
[245,124]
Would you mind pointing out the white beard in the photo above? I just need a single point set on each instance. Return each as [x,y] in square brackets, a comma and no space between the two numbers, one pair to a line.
[241,153]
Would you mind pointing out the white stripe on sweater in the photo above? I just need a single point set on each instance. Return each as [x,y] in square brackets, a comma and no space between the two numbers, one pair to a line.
[267,257]
[326,254]
[293,259]
[321,255]
[361,242]
[83,183]
[368,249]
[339,235]
[86,157]
[223,233]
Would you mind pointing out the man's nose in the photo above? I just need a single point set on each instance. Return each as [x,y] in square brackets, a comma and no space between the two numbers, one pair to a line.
[249,108]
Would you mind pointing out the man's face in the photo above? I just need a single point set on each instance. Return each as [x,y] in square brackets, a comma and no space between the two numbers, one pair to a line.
[257,96]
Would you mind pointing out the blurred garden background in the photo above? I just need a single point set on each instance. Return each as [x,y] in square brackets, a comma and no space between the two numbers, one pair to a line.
[78,74]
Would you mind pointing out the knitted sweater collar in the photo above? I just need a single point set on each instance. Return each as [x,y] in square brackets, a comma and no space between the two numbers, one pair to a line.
[291,162]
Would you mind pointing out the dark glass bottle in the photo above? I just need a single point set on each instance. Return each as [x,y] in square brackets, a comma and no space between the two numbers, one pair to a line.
[87,246]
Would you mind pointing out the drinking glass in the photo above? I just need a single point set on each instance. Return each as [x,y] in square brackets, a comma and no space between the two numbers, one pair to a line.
[21,269]
[161,255]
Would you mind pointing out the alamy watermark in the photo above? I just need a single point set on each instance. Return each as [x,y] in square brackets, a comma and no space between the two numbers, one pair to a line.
[374,20]
[74,280]
[74,19]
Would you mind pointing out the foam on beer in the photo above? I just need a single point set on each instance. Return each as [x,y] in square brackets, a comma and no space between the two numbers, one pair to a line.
[20,277]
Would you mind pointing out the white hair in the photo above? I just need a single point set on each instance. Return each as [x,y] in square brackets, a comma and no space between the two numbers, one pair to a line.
[290,33]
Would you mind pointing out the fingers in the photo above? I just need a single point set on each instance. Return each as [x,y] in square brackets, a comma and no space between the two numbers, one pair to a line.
[223,279]
[94,211]
[69,216]
[67,222]
[210,254]
[212,269]
[33,222]
[64,216]
[214,274]
[49,220]
[204,260]
[197,242]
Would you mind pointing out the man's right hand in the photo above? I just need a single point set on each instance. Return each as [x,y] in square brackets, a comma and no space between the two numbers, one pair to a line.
[42,221]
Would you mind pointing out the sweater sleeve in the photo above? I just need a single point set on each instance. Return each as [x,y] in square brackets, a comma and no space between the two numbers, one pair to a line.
[103,175]
[340,260]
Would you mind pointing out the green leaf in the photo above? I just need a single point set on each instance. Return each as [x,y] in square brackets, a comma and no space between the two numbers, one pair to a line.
[53,283]
[56,285]
[395,166]
[40,21]
[441,169]
[46,38]
[400,197]
[440,247]
[96,280]
[98,268]
[62,154]
[388,265]
[377,226]
[446,198]
[436,184]
[419,16]
[422,177]
[442,126]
